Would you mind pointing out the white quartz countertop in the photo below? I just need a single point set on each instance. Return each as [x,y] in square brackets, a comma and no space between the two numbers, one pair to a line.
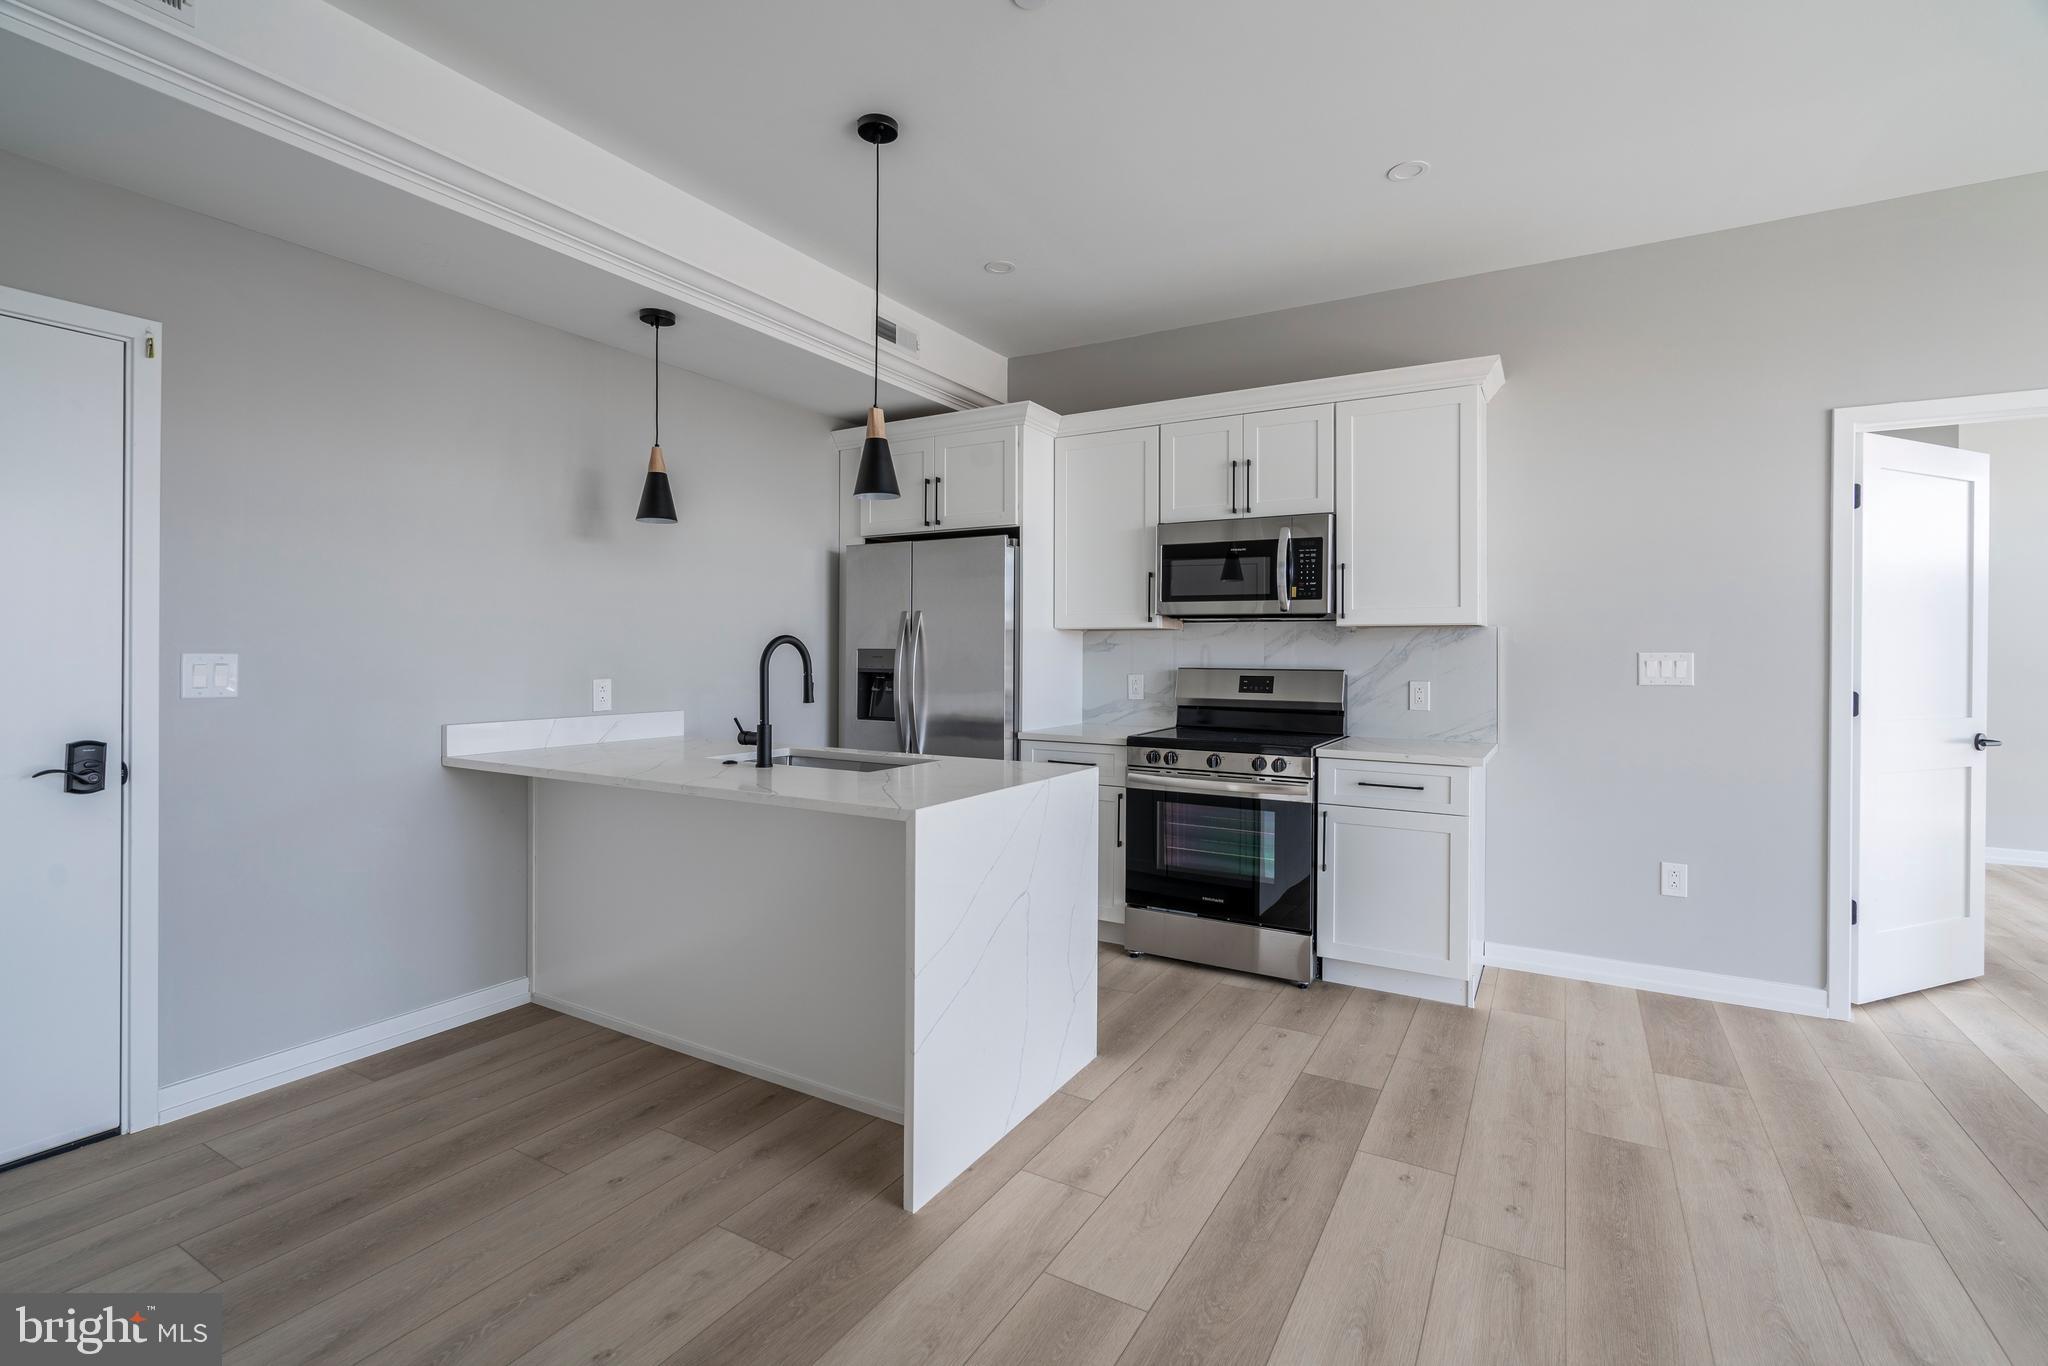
[1099,732]
[692,767]
[1458,753]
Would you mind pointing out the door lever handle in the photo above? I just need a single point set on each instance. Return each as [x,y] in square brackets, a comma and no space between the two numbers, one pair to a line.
[85,767]
[1984,741]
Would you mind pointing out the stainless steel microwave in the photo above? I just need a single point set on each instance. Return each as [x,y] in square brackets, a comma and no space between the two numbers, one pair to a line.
[1247,567]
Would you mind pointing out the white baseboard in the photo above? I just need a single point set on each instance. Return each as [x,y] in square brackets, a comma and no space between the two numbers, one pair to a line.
[1109,932]
[2018,858]
[204,1092]
[1706,986]
[867,1105]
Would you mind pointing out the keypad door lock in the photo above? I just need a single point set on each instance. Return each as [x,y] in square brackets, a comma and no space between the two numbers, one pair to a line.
[85,767]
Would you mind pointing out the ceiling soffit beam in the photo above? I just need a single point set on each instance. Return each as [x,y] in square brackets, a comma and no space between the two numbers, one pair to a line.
[161,57]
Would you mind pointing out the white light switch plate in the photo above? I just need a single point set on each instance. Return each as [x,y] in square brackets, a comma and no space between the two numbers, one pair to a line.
[1418,697]
[1664,670]
[600,694]
[1673,878]
[209,676]
[1134,687]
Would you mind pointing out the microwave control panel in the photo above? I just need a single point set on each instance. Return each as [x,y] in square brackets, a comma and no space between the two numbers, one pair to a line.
[1308,568]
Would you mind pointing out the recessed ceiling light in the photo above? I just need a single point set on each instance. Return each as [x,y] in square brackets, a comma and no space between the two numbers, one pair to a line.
[999,267]
[1407,170]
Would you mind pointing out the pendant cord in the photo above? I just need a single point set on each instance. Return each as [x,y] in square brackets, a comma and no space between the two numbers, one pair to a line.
[876,321]
[657,386]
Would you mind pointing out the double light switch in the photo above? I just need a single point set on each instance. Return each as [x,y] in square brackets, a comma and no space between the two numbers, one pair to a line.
[210,676]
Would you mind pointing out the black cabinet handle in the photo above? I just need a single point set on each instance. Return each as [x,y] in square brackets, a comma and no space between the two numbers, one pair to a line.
[1151,581]
[1247,483]
[1341,584]
[1119,820]
[1398,787]
[927,509]
[1325,864]
[938,492]
[1233,486]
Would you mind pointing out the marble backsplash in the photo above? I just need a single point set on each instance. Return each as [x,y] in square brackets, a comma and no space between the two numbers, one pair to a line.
[1460,663]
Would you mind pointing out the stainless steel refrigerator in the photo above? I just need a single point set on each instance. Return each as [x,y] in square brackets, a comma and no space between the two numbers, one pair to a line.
[928,646]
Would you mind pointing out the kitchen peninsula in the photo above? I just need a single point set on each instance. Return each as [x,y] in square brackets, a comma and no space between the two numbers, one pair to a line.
[908,935]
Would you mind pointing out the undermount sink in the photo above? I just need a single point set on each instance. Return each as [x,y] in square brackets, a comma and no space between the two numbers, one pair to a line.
[844,763]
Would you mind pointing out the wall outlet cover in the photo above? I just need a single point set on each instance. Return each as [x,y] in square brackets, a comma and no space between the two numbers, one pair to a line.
[1418,696]
[1673,879]
[209,675]
[600,694]
[1134,687]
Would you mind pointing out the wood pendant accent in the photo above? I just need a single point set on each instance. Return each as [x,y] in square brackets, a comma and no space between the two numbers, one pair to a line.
[655,464]
[877,424]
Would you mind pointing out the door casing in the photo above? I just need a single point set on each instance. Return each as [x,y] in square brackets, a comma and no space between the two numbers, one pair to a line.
[143,345]
[1844,612]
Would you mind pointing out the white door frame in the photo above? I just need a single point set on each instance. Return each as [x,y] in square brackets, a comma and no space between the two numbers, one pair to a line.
[142,342]
[1844,591]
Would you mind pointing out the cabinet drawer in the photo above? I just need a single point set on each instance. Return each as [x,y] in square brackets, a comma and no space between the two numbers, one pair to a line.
[1394,787]
[1107,759]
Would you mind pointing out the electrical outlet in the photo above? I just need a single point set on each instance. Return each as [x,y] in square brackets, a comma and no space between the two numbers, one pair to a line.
[600,694]
[1672,878]
[1418,697]
[1134,687]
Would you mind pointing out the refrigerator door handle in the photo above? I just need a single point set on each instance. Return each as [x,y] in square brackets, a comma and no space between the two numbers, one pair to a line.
[918,720]
[903,684]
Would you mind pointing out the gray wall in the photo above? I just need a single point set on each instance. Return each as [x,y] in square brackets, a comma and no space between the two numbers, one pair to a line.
[1659,480]
[401,510]
[2017,795]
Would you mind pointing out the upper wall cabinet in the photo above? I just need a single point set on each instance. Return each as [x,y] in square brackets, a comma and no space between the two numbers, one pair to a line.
[952,481]
[911,509]
[1248,465]
[1411,509]
[1105,522]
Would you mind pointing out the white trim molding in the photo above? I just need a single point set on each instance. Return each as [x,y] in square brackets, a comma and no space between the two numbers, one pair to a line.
[2017,858]
[1483,371]
[209,1089]
[142,341]
[867,1105]
[1849,427]
[1705,986]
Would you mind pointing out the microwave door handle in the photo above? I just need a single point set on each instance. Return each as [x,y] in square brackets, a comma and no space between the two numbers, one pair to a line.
[1284,580]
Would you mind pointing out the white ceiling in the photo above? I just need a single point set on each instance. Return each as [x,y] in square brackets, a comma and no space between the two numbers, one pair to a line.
[1156,163]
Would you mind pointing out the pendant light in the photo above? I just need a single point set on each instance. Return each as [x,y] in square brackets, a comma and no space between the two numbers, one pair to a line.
[656,504]
[877,476]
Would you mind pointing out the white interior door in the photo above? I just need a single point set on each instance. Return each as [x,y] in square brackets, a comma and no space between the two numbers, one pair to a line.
[1923,607]
[62,491]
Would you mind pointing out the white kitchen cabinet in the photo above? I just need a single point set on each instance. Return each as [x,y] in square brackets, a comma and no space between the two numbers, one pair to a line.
[1105,524]
[1201,469]
[974,478]
[1110,860]
[910,511]
[1411,510]
[1290,461]
[1108,761]
[1400,893]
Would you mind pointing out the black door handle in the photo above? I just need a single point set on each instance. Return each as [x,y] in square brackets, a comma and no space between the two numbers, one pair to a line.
[85,767]
[1986,742]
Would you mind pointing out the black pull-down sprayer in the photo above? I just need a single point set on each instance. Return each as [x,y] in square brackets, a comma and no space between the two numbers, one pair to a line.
[764,738]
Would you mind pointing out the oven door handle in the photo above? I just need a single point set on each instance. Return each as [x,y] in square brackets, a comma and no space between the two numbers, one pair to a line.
[1299,793]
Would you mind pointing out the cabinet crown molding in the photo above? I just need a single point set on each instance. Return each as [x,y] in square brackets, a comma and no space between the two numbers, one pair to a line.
[1484,372]
[1028,415]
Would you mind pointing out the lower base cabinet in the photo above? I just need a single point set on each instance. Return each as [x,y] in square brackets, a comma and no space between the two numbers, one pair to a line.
[1108,763]
[1398,893]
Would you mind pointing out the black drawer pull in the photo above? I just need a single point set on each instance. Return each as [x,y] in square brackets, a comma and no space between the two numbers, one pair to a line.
[1071,763]
[1399,787]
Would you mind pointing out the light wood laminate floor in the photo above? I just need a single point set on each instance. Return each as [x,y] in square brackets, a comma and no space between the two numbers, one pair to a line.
[1248,1173]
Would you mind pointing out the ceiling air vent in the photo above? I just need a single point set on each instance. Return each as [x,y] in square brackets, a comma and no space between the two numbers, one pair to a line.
[179,11]
[902,338]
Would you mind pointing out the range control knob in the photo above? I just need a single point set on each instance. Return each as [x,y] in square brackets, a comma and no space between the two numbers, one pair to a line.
[1151,756]
[1259,764]
[1215,761]
[1172,757]
[1279,765]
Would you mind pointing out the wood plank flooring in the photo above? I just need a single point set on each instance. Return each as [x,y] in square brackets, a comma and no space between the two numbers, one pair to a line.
[1248,1174]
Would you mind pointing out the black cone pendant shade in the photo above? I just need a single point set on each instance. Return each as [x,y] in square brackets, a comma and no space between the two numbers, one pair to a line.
[876,477]
[657,504]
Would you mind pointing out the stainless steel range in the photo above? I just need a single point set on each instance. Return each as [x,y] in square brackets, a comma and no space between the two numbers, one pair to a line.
[1220,853]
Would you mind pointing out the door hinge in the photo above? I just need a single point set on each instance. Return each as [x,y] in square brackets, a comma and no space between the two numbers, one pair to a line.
[149,346]
[1856,499]
[1852,910]
[1855,704]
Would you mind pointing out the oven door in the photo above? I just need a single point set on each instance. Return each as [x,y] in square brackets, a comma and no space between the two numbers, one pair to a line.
[1245,567]
[1232,850]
